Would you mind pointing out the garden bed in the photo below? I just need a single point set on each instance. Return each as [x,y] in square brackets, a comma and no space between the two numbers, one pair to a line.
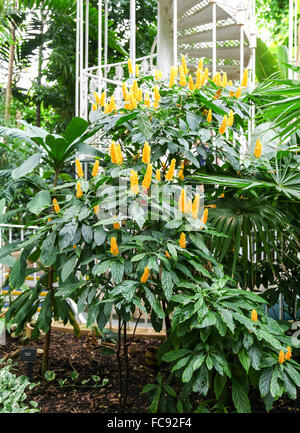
[69,353]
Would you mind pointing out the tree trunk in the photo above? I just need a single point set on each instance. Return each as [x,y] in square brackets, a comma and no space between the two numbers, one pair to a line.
[10,71]
[39,78]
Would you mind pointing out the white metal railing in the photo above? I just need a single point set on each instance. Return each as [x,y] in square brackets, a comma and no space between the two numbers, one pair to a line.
[95,79]
[13,232]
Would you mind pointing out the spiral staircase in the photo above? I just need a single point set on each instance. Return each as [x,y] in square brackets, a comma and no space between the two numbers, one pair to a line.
[219,31]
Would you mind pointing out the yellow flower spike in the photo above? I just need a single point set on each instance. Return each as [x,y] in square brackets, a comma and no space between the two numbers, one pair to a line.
[158,175]
[176,71]
[97,99]
[217,79]
[182,76]
[134,182]
[245,78]
[156,94]
[189,207]
[238,93]
[49,219]
[205,75]
[182,204]
[87,278]
[137,71]
[130,67]
[217,94]
[254,315]
[79,192]
[112,104]
[230,118]
[114,246]
[55,205]
[191,83]
[135,87]
[182,240]
[170,172]
[95,168]
[95,107]
[258,148]
[113,153]
[102,99]
[224,80]
[74,246]
[125,90]
[119,155]
[148,177]
[133,101]
[281,357]
[199,79]
[147,100]
[79,168]
[96,209]
[232,94]
[155,105]
[116,225]
[230,83]
[180,172]
[145,275]
[288,354]
[222,129]
[127,103]
[139,95]
[146,153]
[195,206]
[106,108]
[183,62]
[200,65]
[167,254]
[172,77]
[209,116]
[204,216]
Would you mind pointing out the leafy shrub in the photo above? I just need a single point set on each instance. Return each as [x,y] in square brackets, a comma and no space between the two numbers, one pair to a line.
[222,345]
[12,392]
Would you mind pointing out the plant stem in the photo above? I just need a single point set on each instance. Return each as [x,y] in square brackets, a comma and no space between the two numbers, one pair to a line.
[119,363]
[125,349]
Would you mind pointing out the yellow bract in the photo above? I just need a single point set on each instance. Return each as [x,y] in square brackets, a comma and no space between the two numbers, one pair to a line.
[56,205]
[281,357]
[145,275]
[258,148]
[209,116]
[170,172]
[245,78]
[95,168]
[148,177]
[130,68]
[254,315]
[134,182]
[79,168]
[182,240]
[79,192]
[146,153]
[114,246]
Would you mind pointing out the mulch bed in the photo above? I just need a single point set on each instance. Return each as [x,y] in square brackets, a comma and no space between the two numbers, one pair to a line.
[69,353]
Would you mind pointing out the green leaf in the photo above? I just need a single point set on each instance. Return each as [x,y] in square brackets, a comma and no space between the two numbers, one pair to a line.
[274,385]
[50,375]
[244,359]
[201,382]
[265,381]
[167,284]
[219,384]
[87,233]
[154,303]
[40,201]
[99,236]
[30,164]
[240,398]
[117,271]
[176,354]
[68,268]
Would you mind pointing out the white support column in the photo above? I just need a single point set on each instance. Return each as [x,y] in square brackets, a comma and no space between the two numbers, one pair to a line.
[87,34]
[77,93]
[132,32]
[241,51]
[175,43]
[165,49]
[105,41]
[291,35]
[99,45]
[214,36]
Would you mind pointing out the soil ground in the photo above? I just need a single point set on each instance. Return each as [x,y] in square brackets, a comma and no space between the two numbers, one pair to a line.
[82,354]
